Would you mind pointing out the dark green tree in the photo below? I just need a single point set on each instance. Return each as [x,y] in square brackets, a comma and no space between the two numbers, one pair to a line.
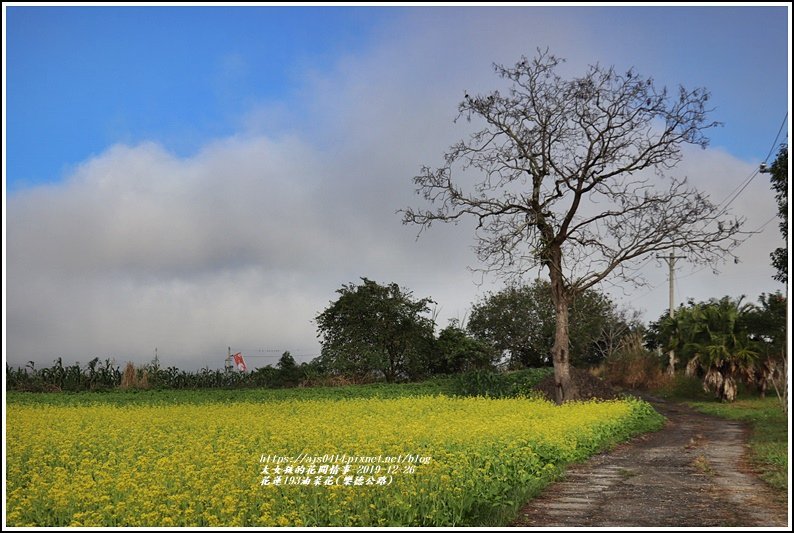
[519,322]
[457,351]
[286,362]
[516,323]
[376,329]
[766,323]
[767,327]
[779,172]
[289,372]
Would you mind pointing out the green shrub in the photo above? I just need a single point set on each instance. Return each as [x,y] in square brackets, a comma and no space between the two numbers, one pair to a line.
[493,384]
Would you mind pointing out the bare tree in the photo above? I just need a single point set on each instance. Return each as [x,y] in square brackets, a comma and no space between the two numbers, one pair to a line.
[618,325]
[559,183]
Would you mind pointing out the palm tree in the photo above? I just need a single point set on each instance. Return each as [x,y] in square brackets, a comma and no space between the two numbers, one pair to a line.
[719,347]
[710,335]
[674,330]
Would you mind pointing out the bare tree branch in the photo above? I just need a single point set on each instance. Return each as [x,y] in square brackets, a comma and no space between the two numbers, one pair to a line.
[565,183]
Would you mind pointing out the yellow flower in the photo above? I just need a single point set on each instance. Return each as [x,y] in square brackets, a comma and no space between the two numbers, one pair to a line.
[200,464]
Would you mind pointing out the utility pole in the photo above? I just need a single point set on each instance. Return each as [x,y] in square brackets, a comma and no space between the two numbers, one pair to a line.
[670,260]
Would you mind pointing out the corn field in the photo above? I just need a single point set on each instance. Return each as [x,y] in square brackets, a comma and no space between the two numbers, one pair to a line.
[106,375]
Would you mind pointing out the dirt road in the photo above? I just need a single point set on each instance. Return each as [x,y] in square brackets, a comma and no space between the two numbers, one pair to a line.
[692,473]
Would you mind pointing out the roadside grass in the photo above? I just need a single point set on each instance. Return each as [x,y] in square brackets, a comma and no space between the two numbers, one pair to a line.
[769,436]
[682,388]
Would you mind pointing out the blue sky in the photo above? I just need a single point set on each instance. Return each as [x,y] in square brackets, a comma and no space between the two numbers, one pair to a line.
[80,79]
[190,178]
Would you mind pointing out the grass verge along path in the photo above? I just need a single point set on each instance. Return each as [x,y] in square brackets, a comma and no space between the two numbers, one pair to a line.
[769,434]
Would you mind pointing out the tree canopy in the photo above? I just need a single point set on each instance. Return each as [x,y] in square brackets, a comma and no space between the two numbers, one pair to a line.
[456,351]
[376,328]
[779,178]
[519,322]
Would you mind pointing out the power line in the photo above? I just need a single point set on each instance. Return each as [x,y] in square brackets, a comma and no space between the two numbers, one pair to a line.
[704,267]
[733,195]
[644,262]
[765,224]
[278,352]
[743,187]
[772,149]
[741,184]
[730,198]
[642,265]
[701,269]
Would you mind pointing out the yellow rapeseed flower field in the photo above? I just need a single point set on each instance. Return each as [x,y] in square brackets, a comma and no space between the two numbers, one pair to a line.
[436,460]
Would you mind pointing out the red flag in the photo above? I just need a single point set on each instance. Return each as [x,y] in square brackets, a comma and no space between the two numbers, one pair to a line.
[240,362]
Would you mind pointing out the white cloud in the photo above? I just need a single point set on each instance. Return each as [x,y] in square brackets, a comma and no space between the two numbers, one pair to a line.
[241,244]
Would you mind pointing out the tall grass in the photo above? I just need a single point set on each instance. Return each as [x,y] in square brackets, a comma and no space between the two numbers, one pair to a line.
[134,378]
[632,366]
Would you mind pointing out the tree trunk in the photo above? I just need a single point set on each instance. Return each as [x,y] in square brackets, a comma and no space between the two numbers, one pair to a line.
[762,377]
[565,388]
[671,363]
[784,378]
[728,391]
